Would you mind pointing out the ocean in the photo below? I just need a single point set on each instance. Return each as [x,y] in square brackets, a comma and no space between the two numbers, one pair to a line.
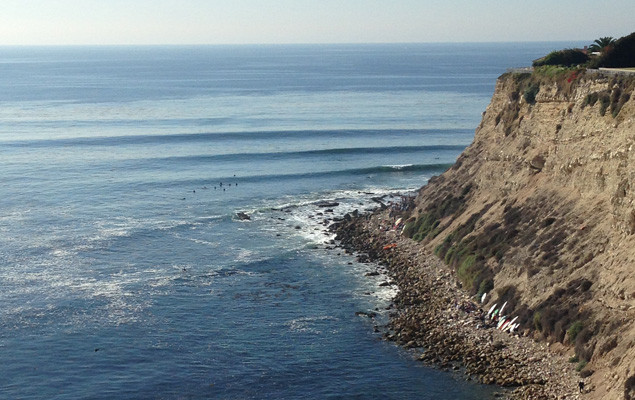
[124,270]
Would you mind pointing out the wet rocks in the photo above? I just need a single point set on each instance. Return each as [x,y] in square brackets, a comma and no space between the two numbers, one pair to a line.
[243,216]
[327,204]
[429,320]
[369,314]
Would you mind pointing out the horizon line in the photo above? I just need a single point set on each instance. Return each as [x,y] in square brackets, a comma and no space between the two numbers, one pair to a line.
[280,43]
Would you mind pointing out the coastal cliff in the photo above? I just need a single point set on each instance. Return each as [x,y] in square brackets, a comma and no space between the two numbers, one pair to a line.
[539,212]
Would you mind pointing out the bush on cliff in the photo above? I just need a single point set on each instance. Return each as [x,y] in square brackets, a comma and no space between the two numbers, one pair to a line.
[612,99]
[566,57]
[561,310]
[530,93]
[423,227]
[605,101]
[426,225]
[584,346]
[485,286]
[468,254]
[574,329]
[537,321]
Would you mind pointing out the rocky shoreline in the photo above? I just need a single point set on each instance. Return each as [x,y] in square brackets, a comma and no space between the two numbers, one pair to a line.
[433,315]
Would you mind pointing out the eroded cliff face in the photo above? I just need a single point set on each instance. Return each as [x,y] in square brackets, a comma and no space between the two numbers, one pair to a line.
[539,212]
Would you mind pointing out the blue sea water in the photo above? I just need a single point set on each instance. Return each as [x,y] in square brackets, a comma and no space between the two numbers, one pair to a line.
[124,271]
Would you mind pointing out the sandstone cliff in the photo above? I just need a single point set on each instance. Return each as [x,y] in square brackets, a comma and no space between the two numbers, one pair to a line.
[539,212]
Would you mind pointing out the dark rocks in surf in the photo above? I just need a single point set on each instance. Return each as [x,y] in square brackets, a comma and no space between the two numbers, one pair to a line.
[379,200]
[369,314]
[243,216]
[327,204]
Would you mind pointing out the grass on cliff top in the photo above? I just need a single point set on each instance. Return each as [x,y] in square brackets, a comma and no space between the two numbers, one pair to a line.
[612,99]
[554,71]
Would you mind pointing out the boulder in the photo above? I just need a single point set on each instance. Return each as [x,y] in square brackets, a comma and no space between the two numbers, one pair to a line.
[243,216]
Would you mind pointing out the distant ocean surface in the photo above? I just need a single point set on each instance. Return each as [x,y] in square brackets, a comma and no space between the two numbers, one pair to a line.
[124,271]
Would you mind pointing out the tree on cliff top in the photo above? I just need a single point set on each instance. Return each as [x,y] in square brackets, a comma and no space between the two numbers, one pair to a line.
[602,44]
[620,55]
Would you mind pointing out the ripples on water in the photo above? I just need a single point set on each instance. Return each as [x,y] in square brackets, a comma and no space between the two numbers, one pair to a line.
[124,272]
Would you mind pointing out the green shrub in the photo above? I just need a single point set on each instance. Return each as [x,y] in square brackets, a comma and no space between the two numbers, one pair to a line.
[485,286]
[605,101]
[558,317]
[566,57]
[574,359]
[409,229]
[423,227]
[530,93]
[553,71]
[610,100]
[617,106]
[584,346]
[435,232]
[438,251]
[574,329]
[520,77]
[466,265]
[449,255]
[615,99]
[590,99]
[472,272]
[581,366]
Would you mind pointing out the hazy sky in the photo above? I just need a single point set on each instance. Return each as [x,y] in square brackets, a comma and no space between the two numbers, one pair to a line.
[309,21]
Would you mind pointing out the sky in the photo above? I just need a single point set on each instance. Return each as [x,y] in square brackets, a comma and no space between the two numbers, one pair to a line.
[133,22]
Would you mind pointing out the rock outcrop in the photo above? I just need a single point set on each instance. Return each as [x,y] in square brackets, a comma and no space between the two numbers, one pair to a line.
[539,212]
